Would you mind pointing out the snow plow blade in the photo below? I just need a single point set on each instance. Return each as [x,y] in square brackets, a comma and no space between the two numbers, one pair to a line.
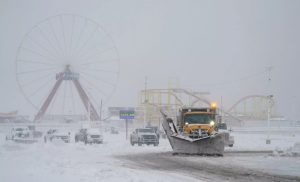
[211,145]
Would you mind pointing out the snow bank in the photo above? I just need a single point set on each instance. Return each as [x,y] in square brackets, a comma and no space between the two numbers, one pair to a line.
[293,151]
[58,161]
[77,162]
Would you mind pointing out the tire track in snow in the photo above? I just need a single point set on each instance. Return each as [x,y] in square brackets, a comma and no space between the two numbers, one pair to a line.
[201,168]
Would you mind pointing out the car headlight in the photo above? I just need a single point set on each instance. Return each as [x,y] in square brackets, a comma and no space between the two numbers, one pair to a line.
[212,123]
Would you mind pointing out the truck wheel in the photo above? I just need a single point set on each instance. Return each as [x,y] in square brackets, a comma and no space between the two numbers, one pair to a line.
[45,139]
[139,144]
[155,144]
[76,139]
[231,145]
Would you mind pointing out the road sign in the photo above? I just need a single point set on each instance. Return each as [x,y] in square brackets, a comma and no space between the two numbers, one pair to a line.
[127,114]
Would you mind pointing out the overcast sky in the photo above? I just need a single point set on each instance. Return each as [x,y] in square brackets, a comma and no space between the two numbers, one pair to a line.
[221,46]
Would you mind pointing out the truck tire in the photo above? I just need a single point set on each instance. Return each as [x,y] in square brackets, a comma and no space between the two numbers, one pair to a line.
[139,144]
[231,145]
[155,144]
[76,139]
[45,140]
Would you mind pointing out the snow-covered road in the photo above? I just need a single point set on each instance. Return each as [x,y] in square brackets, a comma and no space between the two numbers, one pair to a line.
[227,168]
[117,160]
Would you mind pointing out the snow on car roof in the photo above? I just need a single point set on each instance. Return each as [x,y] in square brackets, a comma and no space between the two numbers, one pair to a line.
[61,132]
[93,130]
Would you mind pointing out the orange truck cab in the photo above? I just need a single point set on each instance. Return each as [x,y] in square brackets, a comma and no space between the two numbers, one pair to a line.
[198,122]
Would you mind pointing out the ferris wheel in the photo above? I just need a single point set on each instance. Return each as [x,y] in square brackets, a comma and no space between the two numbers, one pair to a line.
[67,65]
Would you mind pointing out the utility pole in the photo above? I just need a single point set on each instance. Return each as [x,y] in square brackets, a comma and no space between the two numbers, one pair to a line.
[269,69]
[100,112]
[145,103]
[126,128]
[221,109]
[100,115]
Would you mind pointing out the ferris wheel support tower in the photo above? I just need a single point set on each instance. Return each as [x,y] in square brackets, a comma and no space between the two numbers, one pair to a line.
[68,75]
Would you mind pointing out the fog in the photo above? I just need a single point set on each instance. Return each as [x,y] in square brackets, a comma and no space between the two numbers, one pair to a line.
[223,47]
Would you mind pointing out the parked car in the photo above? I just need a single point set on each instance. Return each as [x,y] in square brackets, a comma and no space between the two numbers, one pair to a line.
[94,136]
[144,136]
[20,132]
[91,135]
[55,134]
[229,140]
[113,130]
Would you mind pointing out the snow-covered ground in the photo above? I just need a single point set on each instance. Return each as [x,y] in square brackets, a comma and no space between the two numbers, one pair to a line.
[78,162]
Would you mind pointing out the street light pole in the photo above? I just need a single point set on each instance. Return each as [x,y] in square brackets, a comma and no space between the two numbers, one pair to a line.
[268,140]
[145,103]
[269,69]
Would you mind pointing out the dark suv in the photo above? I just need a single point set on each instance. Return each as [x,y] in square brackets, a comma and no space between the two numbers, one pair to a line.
[80,136]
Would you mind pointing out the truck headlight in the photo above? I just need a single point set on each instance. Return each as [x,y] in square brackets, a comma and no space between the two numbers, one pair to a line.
[186,123]
[212,123]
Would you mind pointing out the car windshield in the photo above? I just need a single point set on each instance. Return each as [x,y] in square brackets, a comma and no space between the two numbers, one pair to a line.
[198,119]
[19,129]
[146,130]
[154,128]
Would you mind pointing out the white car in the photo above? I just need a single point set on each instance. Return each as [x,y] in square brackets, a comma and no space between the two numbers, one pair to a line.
[93,135]
[21,132]
[54,134]
[229,140]
[144,136]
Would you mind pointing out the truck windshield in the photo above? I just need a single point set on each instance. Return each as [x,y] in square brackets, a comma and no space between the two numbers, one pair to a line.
[198,119]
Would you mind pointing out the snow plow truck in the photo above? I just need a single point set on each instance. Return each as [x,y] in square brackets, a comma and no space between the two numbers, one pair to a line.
[195,131]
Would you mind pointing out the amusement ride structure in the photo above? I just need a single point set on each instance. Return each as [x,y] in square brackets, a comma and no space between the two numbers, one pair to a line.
[67,65]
